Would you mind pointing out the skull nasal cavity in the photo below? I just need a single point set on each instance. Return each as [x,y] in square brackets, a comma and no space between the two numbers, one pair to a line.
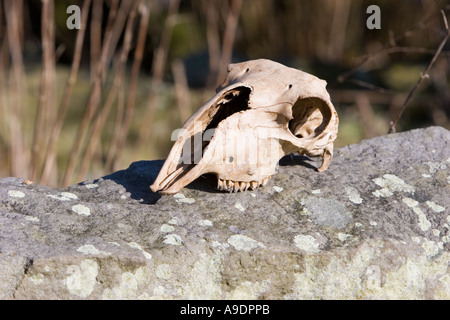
[236,101]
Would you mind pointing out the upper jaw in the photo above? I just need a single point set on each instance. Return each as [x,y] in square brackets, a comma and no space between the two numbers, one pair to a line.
[175,174]
[235,186]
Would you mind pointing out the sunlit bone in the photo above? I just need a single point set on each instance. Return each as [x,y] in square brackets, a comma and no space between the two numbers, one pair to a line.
[263,111]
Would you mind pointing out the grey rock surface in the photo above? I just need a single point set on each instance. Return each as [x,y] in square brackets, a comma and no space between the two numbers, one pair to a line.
[375,225]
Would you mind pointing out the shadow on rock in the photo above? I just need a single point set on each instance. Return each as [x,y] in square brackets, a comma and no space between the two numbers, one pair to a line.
[206,183]
[137,180]
[296,160]
[138,177]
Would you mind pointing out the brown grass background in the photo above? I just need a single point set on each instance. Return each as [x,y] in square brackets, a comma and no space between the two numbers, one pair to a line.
[79,104]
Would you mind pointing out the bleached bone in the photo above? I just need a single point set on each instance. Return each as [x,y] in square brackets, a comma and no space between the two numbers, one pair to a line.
[263,111]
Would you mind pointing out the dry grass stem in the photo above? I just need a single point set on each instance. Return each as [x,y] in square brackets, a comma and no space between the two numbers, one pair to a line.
[47,90]
[181,90]
[213,41]
[338,30]
[100,121]
[121,114]
[17,82]
[158,66]
[96,33]
[228,38]
[367,114]
[119,139]
[108,47]
[51,155]
[424,75]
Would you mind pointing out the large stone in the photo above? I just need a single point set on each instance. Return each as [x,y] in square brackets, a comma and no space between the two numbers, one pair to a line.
[375,225]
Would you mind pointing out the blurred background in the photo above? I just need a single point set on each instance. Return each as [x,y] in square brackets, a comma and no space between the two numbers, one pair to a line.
[77,104]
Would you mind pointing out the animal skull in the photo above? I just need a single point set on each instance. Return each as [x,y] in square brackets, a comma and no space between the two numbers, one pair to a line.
[263,111]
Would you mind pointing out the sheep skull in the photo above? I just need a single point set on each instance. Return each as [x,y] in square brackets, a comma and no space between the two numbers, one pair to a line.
[263,111]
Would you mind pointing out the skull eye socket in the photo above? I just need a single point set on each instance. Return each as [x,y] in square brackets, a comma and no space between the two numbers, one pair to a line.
[310,117]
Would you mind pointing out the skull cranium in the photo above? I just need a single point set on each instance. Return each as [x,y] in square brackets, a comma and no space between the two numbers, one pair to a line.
[263,111]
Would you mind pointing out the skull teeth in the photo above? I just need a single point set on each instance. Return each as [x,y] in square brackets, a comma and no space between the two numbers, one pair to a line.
[235,186]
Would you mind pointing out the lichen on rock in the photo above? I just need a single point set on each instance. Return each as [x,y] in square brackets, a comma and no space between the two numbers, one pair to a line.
[375,225]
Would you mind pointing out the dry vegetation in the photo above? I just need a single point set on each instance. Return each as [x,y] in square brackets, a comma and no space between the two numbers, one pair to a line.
[78,104]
